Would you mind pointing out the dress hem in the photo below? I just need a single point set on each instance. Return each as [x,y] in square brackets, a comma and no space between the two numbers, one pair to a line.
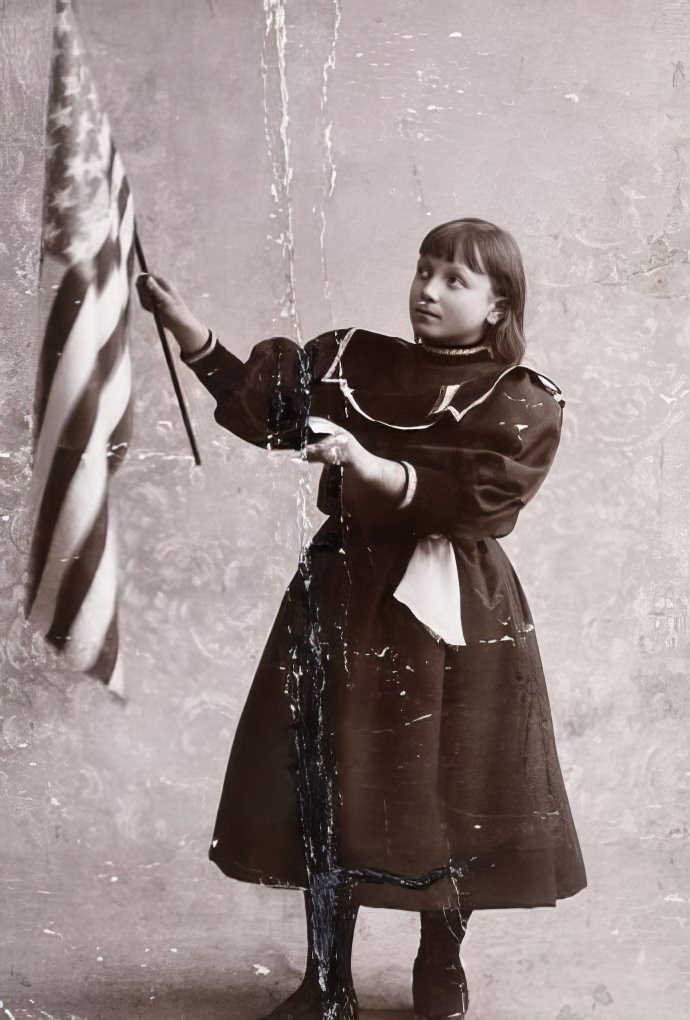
[381,893]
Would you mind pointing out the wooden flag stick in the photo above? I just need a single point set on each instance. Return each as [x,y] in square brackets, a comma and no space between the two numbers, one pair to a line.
[168,357]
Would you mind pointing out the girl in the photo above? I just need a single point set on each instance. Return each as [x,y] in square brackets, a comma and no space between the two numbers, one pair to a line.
[396,748]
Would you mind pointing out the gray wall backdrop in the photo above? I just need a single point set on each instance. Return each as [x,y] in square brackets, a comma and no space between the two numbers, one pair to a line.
[287,158]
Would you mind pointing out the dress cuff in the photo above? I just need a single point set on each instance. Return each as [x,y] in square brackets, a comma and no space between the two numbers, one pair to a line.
[191,359]
[410,487]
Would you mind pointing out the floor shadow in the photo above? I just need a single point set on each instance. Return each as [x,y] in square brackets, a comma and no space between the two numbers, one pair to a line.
[188,1002]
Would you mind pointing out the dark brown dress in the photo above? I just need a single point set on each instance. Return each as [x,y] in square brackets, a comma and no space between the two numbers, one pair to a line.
[424,769]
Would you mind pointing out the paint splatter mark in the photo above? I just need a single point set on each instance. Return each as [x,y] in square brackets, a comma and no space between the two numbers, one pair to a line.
[274,74]
[416,177]
[329,167]
[418,719]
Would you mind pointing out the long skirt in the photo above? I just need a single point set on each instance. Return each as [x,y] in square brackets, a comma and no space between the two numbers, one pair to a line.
[427,774]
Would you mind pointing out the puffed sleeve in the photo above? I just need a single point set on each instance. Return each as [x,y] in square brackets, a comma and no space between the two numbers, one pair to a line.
[266,399]
[476,486]
[262,400]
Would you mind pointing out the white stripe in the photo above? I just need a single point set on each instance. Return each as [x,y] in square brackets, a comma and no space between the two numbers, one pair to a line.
[84,495]
[117,177]
[117,678]
[411,487]
[126,232]
[90,627]
[445,396]
[549,385]
[125,226]
[202,352]
[97,319]
[480,400]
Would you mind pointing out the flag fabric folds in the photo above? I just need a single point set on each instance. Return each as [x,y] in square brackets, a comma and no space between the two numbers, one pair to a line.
[82,412]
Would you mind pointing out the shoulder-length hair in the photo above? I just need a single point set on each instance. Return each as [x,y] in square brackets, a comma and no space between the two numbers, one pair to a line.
[485,248]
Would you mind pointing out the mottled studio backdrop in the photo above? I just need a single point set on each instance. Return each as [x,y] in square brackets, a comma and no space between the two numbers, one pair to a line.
[287,158]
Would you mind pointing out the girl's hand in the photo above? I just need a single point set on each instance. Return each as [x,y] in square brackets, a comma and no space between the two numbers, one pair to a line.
[156,292]
[367,476]
[342,448]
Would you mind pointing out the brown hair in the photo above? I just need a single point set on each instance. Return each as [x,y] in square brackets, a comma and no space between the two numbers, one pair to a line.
[485,248]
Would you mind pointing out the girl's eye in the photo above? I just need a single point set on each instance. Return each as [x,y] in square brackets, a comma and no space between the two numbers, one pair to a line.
[455,279]
[421,271]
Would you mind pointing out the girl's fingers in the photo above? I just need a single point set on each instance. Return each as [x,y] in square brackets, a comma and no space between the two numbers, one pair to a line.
[144,292]
[152,293]
[315,455]
[160,289]
[330,451]
[163,284]
[323,446]
[156,289]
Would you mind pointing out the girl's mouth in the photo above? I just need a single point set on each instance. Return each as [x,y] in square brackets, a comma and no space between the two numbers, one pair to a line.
[426,311]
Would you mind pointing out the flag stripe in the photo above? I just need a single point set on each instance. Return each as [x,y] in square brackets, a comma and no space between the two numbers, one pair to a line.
[104,665]
[83,497]
[78,578]
[63,314]
[68,300]
[119,439]
[79,574]
[90,627]
[111,251]
[68,454]
[98,317]
[82,405]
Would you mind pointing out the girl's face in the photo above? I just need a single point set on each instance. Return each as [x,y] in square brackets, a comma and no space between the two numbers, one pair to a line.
[449,304]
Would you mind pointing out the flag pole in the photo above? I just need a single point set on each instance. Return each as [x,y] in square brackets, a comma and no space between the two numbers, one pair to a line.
[168,357]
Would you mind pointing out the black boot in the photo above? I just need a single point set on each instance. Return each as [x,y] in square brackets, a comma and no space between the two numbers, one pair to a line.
[326,991]
[439,986]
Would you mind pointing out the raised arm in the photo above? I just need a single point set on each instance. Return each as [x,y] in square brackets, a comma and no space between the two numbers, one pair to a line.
[263,400]
[174,314]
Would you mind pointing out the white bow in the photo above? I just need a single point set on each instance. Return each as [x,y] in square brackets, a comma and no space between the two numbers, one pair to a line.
[430,588]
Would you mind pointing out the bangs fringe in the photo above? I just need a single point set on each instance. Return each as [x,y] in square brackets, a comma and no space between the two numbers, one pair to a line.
[488,249]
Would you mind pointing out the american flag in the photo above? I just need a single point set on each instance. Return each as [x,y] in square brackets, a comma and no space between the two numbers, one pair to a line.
[82,413]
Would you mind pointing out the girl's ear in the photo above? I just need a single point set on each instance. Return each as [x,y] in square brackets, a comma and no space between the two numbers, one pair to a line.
[496,311]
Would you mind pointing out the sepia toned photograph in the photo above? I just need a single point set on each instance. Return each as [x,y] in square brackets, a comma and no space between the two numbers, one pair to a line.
[344,498]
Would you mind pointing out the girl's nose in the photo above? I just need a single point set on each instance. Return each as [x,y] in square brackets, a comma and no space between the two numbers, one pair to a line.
[429,290]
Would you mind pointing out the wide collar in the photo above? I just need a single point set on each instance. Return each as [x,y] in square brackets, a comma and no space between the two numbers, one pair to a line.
[407,385]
